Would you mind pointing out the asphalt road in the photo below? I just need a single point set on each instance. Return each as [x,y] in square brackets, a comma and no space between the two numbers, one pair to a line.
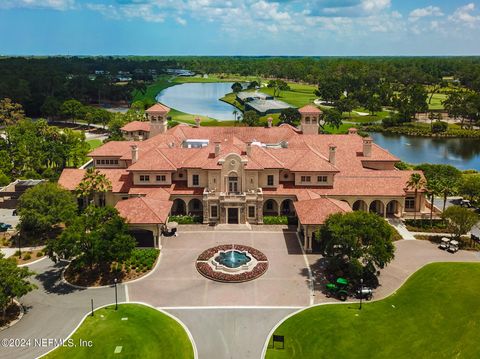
[230,333]
[53,310]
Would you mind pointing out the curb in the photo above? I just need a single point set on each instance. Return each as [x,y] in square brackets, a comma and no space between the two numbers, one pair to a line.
[34,262]
[20,316]
[63,280]
[265,346]
[190,337]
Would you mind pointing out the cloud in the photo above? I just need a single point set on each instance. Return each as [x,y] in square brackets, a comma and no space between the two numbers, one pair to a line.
[425,12]
[463,16]
[38,4]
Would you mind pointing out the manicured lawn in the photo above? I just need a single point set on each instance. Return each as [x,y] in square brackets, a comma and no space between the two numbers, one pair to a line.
[434,315]
[147,333]
[94,143]
[298,96]
[436,103]
[153,89]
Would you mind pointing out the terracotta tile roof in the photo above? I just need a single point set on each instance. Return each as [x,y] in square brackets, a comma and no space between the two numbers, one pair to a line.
[113,149]
[71,177]
[121,179]
[158,107]
[144,210]
[136,126]
[153,160]
[316,211]
[309,109]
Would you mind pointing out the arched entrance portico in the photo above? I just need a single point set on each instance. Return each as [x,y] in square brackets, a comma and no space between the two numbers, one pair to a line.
[287,208]
[394,208]
[270,208]
[179,208]
[195,207]
[377,207]
[360,205]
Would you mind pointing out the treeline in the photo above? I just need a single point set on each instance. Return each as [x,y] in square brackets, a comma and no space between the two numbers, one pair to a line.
[405,70]
[34,82]
[33,149]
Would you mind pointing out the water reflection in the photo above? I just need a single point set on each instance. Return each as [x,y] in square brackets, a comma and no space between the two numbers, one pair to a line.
[463,153]
[199,99]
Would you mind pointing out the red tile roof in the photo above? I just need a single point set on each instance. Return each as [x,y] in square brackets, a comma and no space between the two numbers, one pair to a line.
[144,210]
[136,126]
[71,177]
[120,178]
[158,107]
[309,109]
[316,211]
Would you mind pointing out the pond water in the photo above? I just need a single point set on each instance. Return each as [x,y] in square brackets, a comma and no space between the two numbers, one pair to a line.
[463,153]
[199,99]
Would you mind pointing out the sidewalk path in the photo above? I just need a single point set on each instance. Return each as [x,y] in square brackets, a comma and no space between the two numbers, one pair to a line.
[401,228]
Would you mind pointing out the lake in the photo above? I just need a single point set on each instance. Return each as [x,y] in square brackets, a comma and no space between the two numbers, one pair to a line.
[463,153]
[199,99]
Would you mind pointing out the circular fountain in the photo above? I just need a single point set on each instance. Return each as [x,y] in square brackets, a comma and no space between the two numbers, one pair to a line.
[232,263]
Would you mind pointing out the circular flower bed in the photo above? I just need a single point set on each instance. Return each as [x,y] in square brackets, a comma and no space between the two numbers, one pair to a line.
[207,269]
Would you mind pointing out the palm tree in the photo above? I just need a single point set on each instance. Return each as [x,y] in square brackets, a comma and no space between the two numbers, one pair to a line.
[94,182]
[235,113]
[433,188]
[416,182]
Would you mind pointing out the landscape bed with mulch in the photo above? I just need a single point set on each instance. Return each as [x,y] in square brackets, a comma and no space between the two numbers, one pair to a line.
[12,313]
[140,263]
[29,256]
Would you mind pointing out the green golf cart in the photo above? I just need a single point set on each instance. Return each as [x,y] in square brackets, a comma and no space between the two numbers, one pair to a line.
[338,289]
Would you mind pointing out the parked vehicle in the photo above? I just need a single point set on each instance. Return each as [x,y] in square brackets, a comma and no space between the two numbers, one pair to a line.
[445,243]
[338,289]
[5,227]
[466,203]
[365,293]
[453,246]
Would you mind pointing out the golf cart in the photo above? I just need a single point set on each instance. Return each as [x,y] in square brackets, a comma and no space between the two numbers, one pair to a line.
[338,289]
[365,293]
[466,203]
[445,243]
[453,246]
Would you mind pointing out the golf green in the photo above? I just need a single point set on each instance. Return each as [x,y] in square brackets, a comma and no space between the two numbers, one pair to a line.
[132,331]
[435,314]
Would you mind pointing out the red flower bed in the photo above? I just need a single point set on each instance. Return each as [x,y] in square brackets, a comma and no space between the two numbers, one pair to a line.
[207,271]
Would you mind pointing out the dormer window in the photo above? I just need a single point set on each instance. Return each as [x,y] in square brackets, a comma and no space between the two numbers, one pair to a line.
[161,178]
[144,178]
[322,179]
[307,179]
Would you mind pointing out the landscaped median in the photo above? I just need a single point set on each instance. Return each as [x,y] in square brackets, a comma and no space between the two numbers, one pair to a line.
[435,314]
[132,331]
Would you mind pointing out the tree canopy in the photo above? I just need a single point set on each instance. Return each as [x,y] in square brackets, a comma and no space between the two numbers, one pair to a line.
[460,220]
[97,236]
[43,207]
[14,282]
[357,243]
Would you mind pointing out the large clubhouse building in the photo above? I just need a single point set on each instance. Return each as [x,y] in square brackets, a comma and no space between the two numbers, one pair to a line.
[238,175]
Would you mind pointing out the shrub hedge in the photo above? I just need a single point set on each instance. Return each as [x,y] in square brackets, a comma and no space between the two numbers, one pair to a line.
[185,219]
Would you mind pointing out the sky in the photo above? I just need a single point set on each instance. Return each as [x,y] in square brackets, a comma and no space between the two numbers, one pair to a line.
[240,27]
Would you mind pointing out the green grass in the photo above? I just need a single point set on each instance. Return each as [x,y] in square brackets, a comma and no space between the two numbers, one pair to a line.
[153,89]
[94,143]
[436,103]
[298,96]
[147,333]
[341,130]
[435,314]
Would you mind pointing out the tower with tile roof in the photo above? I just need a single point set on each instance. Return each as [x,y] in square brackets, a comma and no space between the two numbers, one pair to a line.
[157,115]
[309,120]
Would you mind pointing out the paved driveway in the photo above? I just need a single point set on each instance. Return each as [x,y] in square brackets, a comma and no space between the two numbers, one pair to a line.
[176,282]
[52,311]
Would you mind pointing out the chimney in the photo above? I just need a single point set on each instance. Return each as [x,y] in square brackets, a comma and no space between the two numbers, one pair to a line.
[134,153]
[197,121]
[270,121]
[332,151]
[367,147]
[352,131]
[249,148]
[217,149]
